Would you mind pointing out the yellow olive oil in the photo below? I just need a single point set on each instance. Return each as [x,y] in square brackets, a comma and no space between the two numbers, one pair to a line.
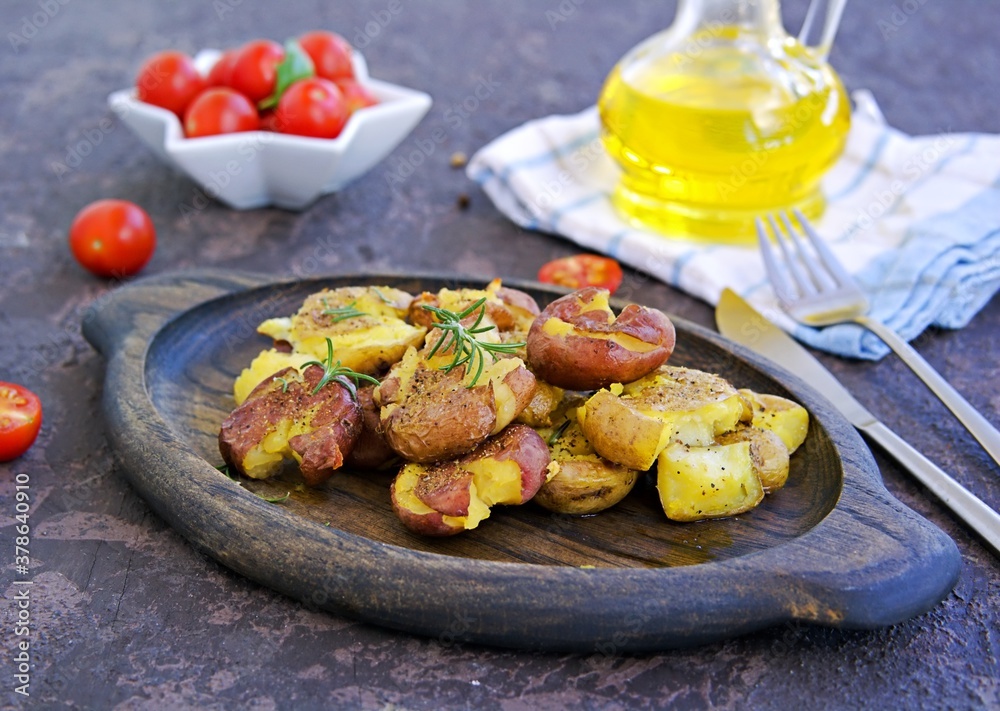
[712,137]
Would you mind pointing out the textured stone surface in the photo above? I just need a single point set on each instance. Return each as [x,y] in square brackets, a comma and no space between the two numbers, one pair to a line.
[125,614]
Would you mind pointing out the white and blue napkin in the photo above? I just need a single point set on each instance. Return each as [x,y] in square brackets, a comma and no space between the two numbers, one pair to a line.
[915,218]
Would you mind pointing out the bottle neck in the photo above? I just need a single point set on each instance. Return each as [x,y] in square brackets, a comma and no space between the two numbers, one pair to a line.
[758,17]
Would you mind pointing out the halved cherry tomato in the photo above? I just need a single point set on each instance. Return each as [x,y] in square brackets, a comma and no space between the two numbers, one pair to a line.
[220,110]
[112,238]
[20,420]
[582,270]
[312,107]
[170,80]
[330,53]
[355,94]
[255,69]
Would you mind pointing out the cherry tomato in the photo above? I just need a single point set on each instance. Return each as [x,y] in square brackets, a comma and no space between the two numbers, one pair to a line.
[255,69]
[330,53]
[312,107]
[20,420]
[220,110]
[355,94]
[221,73]
[112,238]
[582,270]
[169,79]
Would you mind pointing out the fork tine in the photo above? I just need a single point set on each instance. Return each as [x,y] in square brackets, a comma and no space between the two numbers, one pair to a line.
[818,271]
[833,264]
[789,248]
[779,282]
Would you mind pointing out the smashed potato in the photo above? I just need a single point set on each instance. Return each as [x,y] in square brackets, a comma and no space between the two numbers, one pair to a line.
[696,483]
[430,414]
[787,419]
[578,343]
[365,323]
[632,424]
[446,498]
[582,482]
[286,417]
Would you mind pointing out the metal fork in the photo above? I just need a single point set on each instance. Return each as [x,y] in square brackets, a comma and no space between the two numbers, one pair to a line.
[816,290]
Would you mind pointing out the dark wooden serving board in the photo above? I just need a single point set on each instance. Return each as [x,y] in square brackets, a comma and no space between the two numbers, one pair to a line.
[832,547]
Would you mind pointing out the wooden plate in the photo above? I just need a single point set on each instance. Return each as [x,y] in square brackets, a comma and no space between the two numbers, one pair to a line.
[832,547]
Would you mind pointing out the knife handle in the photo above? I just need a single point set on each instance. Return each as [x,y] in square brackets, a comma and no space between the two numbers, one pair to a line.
[962,502]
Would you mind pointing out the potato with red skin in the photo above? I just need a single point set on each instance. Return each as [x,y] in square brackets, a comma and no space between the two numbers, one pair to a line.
[449,497]
[371,451]
[578,343]
[282,418]
[429,415]
[510,309]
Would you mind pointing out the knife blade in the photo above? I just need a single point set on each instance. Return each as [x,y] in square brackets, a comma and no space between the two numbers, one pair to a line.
[740,322]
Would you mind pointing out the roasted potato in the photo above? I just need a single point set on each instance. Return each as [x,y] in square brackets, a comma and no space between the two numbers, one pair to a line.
[543,406]
[366,325]
[371,451]
[578,343]
[429,414]
[511,310]
[632,424]
[448,497]
[768,453]
[283,418]
[696,483]
[787,419]
[583,482]
[265,365]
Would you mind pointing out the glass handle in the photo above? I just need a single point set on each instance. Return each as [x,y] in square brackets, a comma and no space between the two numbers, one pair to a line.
[834,10]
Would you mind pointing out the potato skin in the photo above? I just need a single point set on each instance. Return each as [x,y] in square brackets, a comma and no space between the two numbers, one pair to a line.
[320,428]
[586,485]
[429,415]
[371,451]
[591,348]
[439,499]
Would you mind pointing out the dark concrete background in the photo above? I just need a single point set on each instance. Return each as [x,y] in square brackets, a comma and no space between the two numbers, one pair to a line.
[126,615]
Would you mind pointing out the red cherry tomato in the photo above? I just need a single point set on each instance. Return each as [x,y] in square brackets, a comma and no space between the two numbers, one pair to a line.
[312,107]
[20,420]
[169,79]
[112,238]
[255,69]
[355,94]
[221,73]
[220,110]
[330,53]
[582,270]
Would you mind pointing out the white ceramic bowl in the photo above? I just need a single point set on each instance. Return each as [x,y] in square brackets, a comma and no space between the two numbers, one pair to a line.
[260,168]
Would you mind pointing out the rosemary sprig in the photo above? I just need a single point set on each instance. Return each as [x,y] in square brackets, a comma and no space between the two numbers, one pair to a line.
[341,313]
[468,348]
[283,381]
[338,373]
[557,433]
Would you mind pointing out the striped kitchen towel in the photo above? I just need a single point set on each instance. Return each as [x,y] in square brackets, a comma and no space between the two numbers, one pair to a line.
[915,219]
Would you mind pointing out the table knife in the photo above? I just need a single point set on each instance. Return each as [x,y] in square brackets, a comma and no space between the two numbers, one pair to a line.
[739,322]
